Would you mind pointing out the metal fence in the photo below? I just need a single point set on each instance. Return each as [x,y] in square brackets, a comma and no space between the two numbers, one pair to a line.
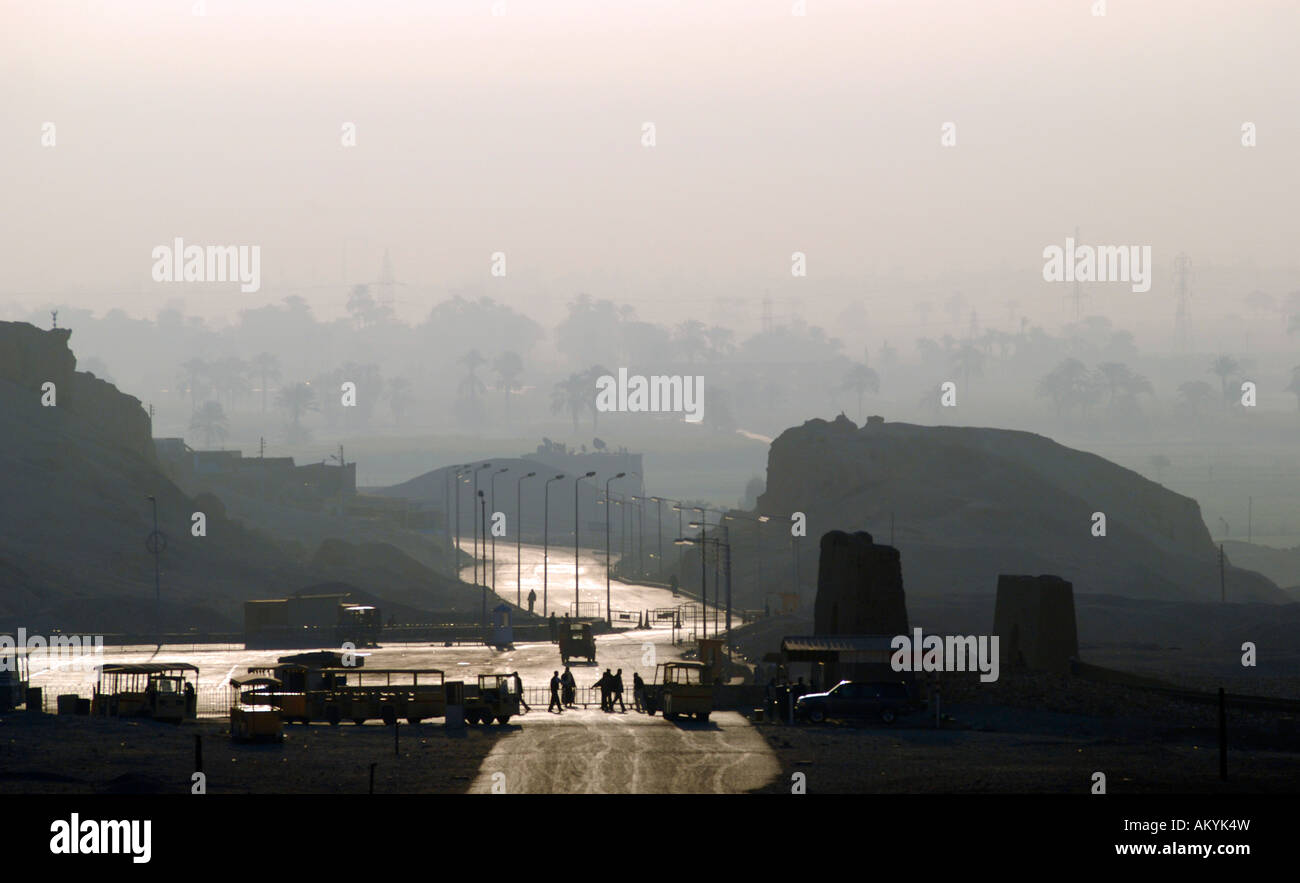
[211,701]
[538,698]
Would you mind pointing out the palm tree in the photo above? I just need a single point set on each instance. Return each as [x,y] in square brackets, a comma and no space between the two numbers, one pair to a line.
[230,376]
[690,339]
[209,420]
[1224,366]
[1066,385]
[1196,394]
[968,360]
[508,367]
[861,379]
[571,395]
[471,387]
[577,393]
[194,373]
[297,399]
[721,342]
[266,367]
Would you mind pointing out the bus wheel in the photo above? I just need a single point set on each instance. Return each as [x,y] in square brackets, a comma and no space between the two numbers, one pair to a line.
[503,719]
[332,715]
[358,721]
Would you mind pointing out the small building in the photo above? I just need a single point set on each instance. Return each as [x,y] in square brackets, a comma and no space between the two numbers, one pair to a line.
[834,658]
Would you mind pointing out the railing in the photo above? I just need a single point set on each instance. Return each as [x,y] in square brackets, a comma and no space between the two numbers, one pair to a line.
[539,698]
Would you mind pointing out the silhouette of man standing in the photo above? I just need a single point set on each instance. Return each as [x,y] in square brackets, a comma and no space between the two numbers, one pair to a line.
[519,686]
[570,687]
[555,694]
[532,599]
[617,693]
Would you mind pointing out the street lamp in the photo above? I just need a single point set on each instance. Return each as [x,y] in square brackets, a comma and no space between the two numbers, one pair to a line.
[659,529]
[476,496]
[494,536]
[757,546]
[460,471]
[519,538]
[546,538]
[577,608]
[609,618]
[723,548]
[482,505]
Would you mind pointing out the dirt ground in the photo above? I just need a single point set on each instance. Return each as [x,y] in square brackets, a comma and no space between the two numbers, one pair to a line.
[74,755]
[1042,734]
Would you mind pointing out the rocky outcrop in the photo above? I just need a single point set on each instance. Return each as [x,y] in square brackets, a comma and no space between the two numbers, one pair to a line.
[967,504]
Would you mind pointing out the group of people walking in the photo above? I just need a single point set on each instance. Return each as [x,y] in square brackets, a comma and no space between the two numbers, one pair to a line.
[564,690]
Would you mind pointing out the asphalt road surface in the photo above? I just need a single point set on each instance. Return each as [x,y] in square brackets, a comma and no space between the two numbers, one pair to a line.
[591,752]
[558,590]
[579,751]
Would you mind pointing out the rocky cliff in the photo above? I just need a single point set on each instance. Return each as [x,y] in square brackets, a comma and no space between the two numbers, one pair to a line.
[968,504]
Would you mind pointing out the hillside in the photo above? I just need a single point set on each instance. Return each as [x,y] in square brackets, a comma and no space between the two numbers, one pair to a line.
[970,503]
[76,478]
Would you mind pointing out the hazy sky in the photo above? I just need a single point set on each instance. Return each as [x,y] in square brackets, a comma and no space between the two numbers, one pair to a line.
[522,133]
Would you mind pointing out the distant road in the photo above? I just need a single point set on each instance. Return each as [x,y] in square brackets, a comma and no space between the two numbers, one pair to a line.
[559,591]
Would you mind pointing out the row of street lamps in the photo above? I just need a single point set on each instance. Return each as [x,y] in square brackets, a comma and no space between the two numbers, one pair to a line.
[722,546]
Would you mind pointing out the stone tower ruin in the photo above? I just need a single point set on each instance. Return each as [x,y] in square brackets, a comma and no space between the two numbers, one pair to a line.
[1035,624]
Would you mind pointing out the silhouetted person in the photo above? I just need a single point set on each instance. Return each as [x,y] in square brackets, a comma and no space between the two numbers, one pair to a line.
[570,687]
[606,685]
[519,687]
[638,692]
[555,694]
[617,693]
[673,582]
[532,599]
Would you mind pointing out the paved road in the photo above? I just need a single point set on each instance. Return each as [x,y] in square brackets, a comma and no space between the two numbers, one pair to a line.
[583,750]
[558,589]
[591,752]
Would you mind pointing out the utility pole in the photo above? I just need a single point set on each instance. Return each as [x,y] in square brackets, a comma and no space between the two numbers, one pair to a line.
[726,545]
[482,503]
[577,606]
[494,536]
[609,616]
[546,539]
[519,538]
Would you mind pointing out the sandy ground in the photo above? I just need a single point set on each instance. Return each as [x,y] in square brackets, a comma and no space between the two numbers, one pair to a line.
[844,760]
[69,755]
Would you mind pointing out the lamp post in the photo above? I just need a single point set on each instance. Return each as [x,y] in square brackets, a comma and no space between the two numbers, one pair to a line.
[519,538]
[609,618]
[482,505]
[721,547]
[757,547]
[476,496]
[494,536]
[577,608]
[546,538]
[455,559]
[659,529]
